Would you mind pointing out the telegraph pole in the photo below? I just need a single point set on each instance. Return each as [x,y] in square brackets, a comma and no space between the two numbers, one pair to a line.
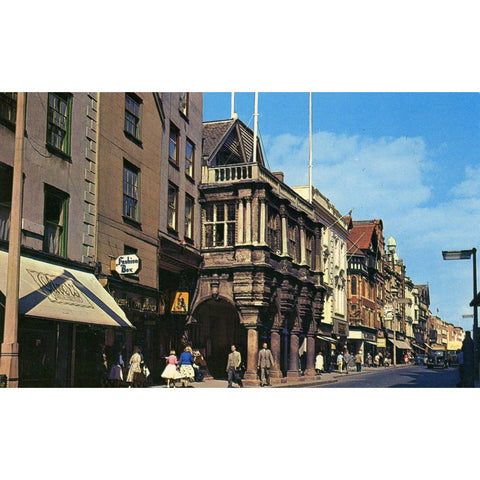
[9,350]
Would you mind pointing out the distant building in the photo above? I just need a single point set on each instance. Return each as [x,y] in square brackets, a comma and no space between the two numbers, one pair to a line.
[366,285]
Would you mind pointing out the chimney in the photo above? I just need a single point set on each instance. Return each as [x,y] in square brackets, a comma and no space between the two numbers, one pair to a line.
[279,176]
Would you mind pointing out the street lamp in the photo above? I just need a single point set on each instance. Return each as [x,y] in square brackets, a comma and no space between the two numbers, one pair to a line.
[466,255]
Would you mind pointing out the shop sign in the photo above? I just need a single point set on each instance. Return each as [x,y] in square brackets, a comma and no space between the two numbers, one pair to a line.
[369,336]
[136,302]
[381,343]
[60,289]
[340,328]
[127,264]
[180,303]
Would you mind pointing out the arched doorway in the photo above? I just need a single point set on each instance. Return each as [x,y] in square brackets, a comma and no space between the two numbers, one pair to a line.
[215,328]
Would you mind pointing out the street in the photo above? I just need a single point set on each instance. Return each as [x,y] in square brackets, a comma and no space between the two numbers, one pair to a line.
[401,377]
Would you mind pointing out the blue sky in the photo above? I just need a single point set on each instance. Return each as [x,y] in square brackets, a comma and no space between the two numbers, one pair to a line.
[410,159]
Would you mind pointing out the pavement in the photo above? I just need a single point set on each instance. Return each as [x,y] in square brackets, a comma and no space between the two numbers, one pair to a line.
[323,379]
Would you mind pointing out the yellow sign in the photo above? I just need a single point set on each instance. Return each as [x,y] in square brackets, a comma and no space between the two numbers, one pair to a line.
[180,304]
[381,343]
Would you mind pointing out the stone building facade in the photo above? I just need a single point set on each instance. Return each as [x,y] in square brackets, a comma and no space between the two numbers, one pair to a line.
[60,202]
[262,277]
[148,177]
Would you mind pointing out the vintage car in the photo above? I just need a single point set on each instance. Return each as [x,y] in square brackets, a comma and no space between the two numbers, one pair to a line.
[437,359]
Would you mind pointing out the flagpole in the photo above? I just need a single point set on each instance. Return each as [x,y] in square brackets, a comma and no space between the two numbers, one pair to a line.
[232,109]
[310,181]
[255,128]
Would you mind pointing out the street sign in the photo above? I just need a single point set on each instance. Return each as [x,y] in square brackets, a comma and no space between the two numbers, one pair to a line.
[180,304]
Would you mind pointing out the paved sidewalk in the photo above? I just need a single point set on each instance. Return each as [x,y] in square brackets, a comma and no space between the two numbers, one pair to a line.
[323,379]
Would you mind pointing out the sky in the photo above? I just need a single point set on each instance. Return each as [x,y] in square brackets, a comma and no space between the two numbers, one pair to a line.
[410,159]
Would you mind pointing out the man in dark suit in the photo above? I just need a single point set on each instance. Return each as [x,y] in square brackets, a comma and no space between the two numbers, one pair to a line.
[233,367]
[265,362]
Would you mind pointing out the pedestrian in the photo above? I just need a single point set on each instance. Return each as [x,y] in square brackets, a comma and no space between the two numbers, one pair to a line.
[376,362]
[135,375]
[186,366]
[468,362]
[380,355]
[405,358]
[319,363]
[234,362]
[386,361]
[201,364]
[340,362]
[116,372]
[358,361]
[170,373]
[265,362]
[460,367]
[346,361]
[333,360]
[102,367]
[369,360]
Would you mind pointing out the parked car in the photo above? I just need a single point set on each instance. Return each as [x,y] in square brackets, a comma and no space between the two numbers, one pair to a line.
[420,359]
[437,359]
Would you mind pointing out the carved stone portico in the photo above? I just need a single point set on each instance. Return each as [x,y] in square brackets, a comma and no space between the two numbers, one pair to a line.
[261,247]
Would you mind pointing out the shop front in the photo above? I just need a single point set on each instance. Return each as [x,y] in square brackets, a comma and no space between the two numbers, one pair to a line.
[363,341]
[63,316]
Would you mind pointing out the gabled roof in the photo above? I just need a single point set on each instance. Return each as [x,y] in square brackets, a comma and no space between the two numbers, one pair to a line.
[360,238]
[228,142]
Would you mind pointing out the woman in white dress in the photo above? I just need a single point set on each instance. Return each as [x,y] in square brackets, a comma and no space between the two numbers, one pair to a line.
[135,367]
[171,373]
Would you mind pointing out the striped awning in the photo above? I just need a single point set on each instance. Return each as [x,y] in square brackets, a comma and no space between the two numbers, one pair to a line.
[54,292]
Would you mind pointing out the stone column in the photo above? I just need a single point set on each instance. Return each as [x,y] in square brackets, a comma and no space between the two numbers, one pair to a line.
[263,218]
[248,221]
[310,370]
[275,372]
[303,247]
[293,359]
[240,223]
[283,215]
[250,377]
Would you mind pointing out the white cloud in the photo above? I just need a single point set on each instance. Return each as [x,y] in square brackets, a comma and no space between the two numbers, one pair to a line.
[395,179]
[470,187]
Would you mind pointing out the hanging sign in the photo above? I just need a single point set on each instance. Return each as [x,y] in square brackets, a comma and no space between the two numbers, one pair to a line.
[127,264]
[180,304]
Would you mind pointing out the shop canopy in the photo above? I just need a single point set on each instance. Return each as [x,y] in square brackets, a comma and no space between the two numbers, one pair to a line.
[65,294]
[401,344]
[326,339]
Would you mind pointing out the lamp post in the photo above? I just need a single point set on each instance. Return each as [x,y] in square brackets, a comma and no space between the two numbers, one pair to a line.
[466,255]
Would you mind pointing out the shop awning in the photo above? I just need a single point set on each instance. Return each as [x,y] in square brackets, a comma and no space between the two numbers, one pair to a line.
[371,343]
[66,294]
[326,339]
[402,344]
[415,345]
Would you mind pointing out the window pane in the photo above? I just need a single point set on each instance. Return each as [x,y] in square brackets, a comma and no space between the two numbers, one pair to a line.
[209,235]
[220,212]
[209,213]
[219,234]
[231,211]
[231,234]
